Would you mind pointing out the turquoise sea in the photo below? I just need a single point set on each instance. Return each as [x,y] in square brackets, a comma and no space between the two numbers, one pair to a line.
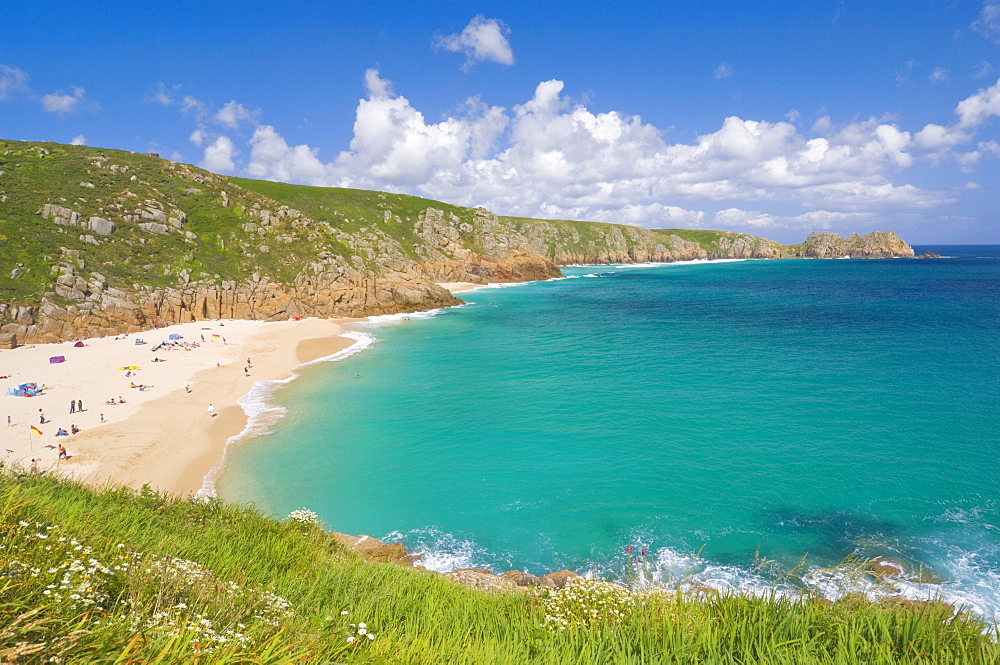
[714,413]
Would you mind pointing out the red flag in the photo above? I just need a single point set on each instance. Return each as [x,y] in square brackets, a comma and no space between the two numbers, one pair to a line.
[35,430]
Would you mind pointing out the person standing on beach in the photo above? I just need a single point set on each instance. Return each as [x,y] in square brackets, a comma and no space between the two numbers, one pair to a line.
[79,405]
[72,406]
[62,452]
[33,469]
[211,410]
[8,422]
[187,386]
[41,417]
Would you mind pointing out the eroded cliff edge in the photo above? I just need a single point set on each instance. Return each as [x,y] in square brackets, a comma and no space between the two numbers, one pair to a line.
[97,242]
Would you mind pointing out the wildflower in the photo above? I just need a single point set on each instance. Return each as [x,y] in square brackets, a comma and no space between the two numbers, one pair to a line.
[304,516]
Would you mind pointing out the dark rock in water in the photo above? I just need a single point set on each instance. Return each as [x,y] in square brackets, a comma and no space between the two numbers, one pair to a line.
[929,255]
[526,579]
[561,578]
[374,549]
[885,567]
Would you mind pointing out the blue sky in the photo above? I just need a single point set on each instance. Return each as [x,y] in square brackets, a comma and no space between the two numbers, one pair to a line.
[774,118]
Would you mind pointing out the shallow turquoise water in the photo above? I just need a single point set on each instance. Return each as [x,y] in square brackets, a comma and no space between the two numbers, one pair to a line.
[705,412]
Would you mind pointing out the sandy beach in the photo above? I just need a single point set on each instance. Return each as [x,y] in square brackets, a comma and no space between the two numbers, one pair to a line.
[163,434]
[458,287]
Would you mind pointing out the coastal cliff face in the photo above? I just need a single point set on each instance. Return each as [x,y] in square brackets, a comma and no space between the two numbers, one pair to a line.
[103,242]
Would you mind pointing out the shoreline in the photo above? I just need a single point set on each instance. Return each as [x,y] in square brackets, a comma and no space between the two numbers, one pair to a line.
[162,435]
[308,352]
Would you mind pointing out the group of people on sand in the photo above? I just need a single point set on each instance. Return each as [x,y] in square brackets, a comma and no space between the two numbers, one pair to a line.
[171,346]
[112,401]
[33,467]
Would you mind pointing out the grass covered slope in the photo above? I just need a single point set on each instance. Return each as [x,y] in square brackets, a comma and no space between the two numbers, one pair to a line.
[136,220]
[118,576]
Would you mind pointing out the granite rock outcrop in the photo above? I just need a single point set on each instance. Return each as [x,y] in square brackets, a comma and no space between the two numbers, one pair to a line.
[155,243]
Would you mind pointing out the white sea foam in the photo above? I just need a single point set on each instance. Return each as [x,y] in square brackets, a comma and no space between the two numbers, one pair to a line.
[389,319]
[439,551]
[262,413]
[693,262]
[970,583]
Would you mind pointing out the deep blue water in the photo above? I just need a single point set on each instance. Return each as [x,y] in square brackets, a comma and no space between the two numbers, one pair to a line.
[710,412]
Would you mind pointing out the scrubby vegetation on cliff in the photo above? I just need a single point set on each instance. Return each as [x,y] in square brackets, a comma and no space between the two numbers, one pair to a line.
[98,242]
[118,576]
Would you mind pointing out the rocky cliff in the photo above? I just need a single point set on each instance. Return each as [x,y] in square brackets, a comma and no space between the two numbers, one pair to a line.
[102,242]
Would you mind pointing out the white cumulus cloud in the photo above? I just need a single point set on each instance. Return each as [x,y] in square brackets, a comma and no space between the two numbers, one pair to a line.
[723,71]
[79,139]
[939,75]
[233,113]
[988,23]
[197,137]
[195,107]
[551,156]
[976,109]
[12,80]
[163,94]
[482,40]
[60,102]
[983,70]
[219,155]
[273,159]
[377,86]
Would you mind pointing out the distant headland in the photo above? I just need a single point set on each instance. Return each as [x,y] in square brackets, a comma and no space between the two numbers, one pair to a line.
[103,242]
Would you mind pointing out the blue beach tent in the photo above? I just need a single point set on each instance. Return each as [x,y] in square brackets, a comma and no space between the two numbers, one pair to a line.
[24,390]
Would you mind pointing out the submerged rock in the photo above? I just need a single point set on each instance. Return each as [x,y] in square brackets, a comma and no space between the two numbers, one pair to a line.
[886,567]
[374,549]
[561,578]
[527,579]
